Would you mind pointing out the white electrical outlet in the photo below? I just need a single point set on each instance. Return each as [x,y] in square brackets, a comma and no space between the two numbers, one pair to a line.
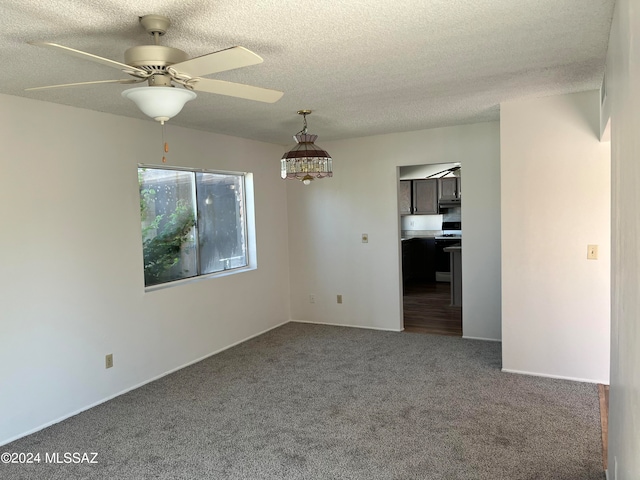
[312,298]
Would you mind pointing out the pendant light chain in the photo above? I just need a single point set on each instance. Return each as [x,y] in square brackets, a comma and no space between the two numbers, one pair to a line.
[304,114]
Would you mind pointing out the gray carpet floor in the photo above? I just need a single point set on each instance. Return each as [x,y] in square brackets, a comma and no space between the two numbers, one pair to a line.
[321,402]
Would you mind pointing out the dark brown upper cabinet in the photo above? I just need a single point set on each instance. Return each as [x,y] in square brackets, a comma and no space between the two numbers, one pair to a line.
[419,197]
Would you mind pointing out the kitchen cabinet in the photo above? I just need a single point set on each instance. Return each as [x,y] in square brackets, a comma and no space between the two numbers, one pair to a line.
[407,261]
[450,187]
[406,203]
[425,196]
[418,260]
[419,197]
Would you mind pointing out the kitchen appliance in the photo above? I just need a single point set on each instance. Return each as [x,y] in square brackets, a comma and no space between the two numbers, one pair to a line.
[451,235]
[450,202]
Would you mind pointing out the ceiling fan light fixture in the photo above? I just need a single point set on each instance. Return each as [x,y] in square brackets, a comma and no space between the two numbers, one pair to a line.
[306,161]
[159,103]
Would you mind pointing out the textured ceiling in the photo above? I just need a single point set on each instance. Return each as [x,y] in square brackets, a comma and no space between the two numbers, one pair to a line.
[365,67]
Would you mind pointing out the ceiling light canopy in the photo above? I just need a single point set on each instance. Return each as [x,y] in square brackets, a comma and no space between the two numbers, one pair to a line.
[160,103]
[306,160]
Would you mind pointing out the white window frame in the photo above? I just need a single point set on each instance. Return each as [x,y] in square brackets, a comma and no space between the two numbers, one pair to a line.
[249,227]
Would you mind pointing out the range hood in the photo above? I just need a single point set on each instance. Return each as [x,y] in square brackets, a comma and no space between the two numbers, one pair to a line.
[449,202]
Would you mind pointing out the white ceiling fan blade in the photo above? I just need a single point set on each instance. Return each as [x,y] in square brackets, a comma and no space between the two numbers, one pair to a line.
[94,58]
[235,90]
[234,57]
[124,81]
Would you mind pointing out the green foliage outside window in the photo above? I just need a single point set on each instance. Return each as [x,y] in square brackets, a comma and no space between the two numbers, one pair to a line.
[162,251]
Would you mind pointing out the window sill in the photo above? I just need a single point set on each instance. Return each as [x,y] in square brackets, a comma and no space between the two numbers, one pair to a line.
[185,281]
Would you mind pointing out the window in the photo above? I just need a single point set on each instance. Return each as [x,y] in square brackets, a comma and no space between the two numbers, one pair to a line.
[193,223]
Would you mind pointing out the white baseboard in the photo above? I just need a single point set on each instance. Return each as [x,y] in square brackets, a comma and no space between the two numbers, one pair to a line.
[483,339]
[348,326]
[111,397]
[559,377]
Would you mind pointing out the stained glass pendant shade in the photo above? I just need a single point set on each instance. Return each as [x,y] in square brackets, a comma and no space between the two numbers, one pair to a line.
[306,160]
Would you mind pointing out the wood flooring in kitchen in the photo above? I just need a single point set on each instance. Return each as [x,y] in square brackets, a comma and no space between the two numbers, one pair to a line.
[427,309]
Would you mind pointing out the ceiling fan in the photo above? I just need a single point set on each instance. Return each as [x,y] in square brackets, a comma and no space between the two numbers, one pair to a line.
[162,66]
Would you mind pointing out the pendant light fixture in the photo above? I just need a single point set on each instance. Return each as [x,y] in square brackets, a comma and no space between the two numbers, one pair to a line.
[306,160]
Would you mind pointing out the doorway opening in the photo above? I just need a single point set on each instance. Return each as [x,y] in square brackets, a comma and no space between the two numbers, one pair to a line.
[430,223]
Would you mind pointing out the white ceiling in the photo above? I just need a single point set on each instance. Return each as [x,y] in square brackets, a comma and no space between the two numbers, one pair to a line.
[365,67]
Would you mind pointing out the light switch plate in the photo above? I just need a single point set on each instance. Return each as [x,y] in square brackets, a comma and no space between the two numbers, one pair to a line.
[592,252]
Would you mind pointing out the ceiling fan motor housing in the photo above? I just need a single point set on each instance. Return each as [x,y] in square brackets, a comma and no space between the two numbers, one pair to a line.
[154,58]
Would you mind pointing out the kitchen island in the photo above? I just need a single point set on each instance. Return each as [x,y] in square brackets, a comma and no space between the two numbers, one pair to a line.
[455,255]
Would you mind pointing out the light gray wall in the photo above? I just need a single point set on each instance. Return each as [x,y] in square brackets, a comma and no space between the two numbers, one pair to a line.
[72,282]
[328,217]
[555,201]
[623,82]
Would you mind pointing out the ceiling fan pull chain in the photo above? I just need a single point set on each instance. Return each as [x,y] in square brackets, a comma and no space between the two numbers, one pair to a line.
[165,145]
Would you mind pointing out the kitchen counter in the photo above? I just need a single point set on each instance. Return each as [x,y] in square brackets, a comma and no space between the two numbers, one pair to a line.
[409,234]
